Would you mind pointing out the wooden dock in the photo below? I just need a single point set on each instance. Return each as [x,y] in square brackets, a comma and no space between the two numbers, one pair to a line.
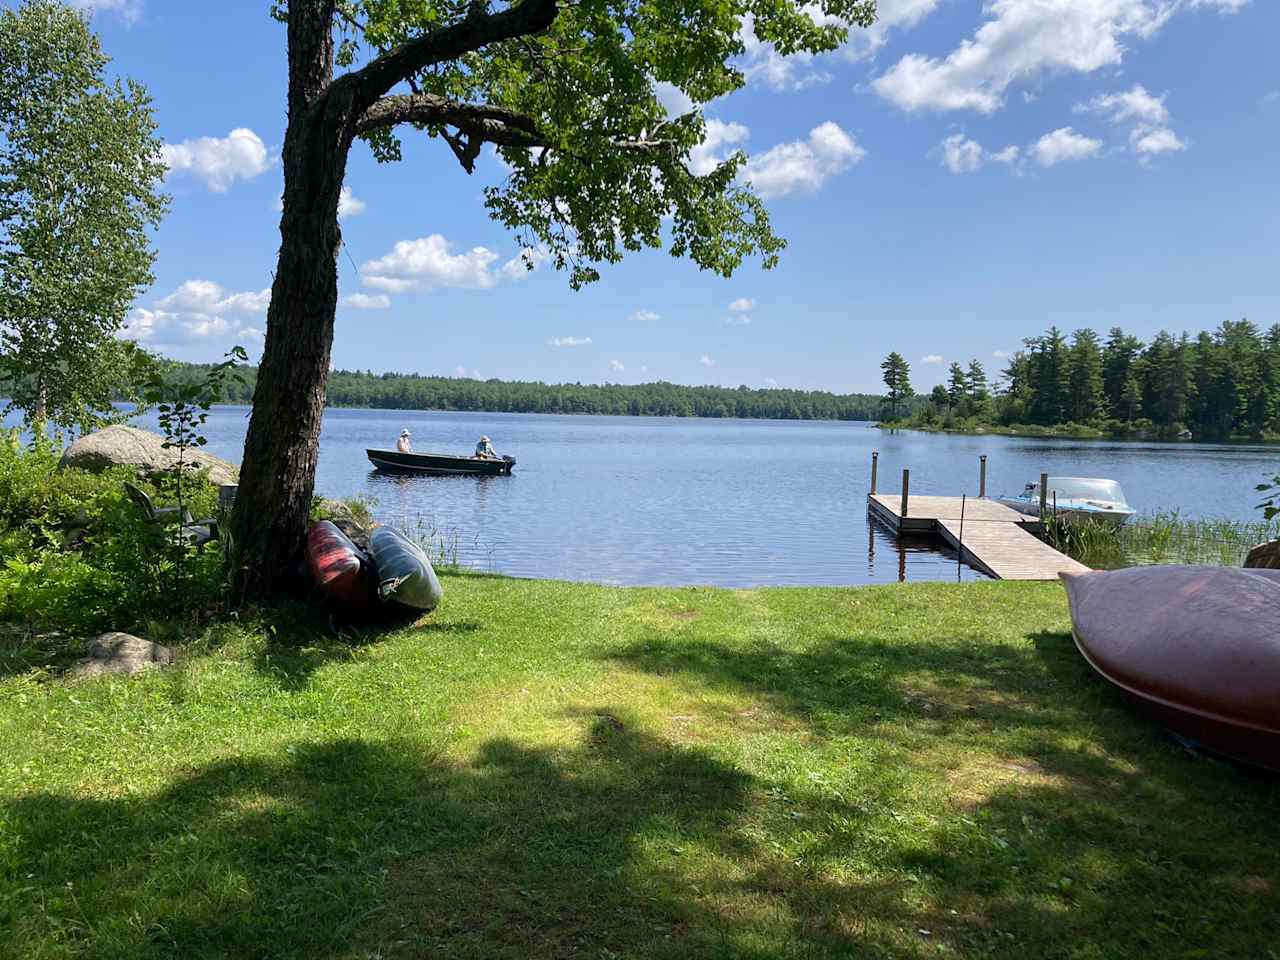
[997,539]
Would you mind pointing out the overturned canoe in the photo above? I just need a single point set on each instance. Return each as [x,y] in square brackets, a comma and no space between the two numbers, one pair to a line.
[1199,647]
[337,565]
[404,573]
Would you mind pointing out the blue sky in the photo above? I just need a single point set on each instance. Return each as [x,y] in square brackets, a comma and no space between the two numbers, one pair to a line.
[962,176]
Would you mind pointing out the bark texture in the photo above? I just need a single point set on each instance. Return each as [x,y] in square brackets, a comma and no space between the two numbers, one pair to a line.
[277,476]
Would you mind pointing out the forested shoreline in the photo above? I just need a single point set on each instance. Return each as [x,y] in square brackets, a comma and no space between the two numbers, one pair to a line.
[1219,385]
[407,391]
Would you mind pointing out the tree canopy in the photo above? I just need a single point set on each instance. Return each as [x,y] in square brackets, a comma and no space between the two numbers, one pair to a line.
[80,171]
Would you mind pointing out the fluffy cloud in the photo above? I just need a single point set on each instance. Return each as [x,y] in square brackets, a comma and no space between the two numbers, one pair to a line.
[198,310]
[1000,354]
[738,320]
[1149,117]
[569,341]
[932,358]
[348,204]
[367,301]
[707,155]
[427,263]
[219,161]
[616,366]
[644,316]
[1222,6]
[960,154]
[128,9]
[1021,40]
[742,305]
[674,100]
[1063,144]
[770,382]
[459,371]
[803,165]
[707,361]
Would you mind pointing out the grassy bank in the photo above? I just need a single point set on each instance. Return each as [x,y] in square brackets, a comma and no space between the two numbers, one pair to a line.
[1162,538]
[555,770]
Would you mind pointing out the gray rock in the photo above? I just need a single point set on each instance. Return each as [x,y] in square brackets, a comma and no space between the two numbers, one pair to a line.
[120,653]
[129,446]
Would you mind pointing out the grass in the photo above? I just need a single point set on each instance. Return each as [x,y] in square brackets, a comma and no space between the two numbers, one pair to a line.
[556,770]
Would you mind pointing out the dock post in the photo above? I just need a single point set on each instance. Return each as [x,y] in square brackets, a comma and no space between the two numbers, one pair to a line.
[906,485]
[982,476]
[1044,492]
[875,463]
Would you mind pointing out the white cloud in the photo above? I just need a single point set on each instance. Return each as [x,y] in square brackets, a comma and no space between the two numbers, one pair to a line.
[1269,98]
[770,382]
[1000,354]
[803,164]
[674,100]
[707,361]
[932,358]
[644,368]
[427,263]
[459,371]
[960,154]
[1150,135]
[742,305]
[761,62]
[707,155]
[738,320]
[197,310]
[219,161]
[129,10]
[569,341]
[1135,104]
[1150,143]
[1021,40]
[616,365]
[367,301]
[348,204]
[644,316]
[1063,144]
[1222,6]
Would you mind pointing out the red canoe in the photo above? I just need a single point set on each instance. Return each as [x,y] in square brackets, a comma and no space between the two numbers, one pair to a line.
[336,565]
[1199,647]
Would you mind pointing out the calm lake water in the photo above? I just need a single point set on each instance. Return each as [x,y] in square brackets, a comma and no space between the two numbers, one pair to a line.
[634,500]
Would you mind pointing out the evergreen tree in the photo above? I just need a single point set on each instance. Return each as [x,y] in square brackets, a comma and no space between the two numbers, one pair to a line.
[977,378]
[1087,396]
[1118,356]
[897,378]
[957,386]
[1050,373]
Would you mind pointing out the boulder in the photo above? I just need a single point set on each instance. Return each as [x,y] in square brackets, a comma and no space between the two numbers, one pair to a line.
[120,653]
[129,446]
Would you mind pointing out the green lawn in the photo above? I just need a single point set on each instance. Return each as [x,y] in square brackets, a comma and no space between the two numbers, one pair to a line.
[557,770]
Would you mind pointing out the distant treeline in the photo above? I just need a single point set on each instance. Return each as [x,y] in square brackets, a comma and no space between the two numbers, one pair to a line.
[401,391]
[1214,386]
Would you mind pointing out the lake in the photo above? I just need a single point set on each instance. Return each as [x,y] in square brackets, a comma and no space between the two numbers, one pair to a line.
[637,500]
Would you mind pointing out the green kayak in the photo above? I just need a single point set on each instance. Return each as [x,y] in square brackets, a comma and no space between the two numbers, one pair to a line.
[404,573]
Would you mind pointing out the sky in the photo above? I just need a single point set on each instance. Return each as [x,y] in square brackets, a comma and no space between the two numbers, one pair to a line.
[959,177]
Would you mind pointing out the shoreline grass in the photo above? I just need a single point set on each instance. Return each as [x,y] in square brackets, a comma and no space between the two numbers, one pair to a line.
[546,769]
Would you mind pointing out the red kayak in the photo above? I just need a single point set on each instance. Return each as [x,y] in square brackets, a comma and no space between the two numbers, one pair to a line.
[337,565]
[1199,647]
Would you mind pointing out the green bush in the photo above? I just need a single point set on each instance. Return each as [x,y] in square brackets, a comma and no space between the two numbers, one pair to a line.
[77,554]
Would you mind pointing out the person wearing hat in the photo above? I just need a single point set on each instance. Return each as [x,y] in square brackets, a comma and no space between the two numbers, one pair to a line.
[485,451]
[403,444]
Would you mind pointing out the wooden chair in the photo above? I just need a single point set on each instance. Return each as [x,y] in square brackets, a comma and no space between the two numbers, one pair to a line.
[195,533]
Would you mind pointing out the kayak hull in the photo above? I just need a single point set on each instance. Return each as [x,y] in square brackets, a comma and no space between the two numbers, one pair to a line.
[1197,647]
[337,565]
[404,573]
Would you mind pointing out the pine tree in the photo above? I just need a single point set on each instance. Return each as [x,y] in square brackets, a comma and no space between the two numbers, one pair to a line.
[1117,360]
[1087,396]
[977,378]
[897,378]
[957,386]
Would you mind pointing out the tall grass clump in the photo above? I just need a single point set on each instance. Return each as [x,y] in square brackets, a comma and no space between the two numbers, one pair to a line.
[1161,538]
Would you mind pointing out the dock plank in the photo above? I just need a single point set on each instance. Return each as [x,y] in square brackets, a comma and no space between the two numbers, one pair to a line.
[998,540]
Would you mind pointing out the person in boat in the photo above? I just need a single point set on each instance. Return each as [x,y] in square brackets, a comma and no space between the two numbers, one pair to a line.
[403,444]
[485,451]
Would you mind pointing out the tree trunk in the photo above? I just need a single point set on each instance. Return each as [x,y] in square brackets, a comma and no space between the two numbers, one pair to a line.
[277,476]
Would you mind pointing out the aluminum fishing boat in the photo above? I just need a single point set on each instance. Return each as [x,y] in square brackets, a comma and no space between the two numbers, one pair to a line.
[1075,498]
[393,461]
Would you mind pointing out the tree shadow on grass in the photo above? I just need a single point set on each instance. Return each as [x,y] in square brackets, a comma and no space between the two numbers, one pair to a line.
[1065,823]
